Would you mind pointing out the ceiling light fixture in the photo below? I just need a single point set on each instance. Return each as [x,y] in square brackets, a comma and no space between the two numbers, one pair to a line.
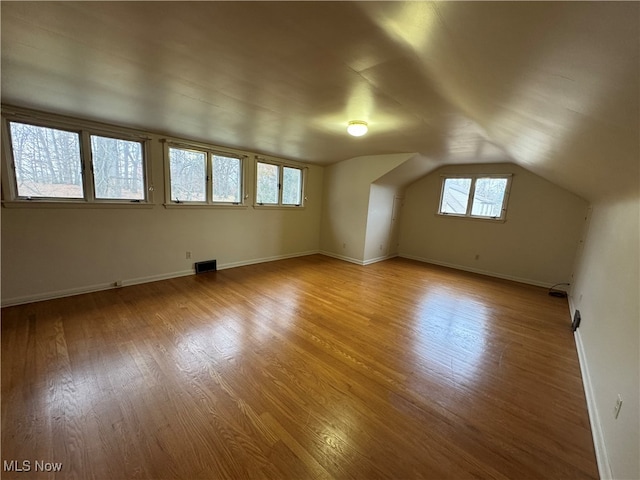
[357,128]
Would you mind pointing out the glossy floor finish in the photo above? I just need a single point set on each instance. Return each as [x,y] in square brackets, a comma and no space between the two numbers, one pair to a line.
[302,368]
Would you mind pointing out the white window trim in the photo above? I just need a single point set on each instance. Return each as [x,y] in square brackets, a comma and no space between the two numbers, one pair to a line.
[280,164]
[85,130]
[472,190]
[210,151]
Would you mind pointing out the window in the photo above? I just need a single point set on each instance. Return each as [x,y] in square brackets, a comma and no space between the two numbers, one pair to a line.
[455,195]
[204,177]
[475,196]
[291,186]
[278,185]
[227,179]
[188,172]
[268,184]
[47,162]
[50,162]
[117,168]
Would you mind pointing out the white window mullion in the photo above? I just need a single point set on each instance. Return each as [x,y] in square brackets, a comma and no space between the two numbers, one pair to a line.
[9,182]
[280,183]
[87,166]
[209,179]
[472,194]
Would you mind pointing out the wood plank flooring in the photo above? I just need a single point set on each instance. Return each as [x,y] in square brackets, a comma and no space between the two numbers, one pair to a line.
[302,368]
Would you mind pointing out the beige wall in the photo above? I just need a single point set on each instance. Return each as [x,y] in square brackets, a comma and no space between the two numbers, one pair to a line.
[50,252]
[345,211]
[536,244]
[379,233]
[607,293]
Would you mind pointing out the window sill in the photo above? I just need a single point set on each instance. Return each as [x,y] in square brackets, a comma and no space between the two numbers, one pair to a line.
[278,207]
[475,219]
[204,205]
[72,204]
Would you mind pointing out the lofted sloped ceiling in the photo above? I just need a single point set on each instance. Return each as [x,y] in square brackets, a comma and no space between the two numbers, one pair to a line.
[552,86]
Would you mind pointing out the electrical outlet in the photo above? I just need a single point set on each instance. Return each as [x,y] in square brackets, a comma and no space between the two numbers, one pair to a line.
[188,255]
[616,409]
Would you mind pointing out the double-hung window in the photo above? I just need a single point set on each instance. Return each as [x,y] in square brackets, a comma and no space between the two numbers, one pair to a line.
[55,161]
[279,184]
[475,196]
[201,176]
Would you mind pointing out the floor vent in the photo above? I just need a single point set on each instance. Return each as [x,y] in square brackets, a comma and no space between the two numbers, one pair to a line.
[208,266]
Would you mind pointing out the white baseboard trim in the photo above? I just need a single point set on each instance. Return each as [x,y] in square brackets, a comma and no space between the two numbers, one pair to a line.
[157,278]
[253,261]
[355,260]
[378,259]
[39,297]
[528,281]
[341,257]
[9,302]
[602,457]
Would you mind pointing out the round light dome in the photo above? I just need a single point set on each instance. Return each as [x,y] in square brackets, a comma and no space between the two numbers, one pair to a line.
[357,128]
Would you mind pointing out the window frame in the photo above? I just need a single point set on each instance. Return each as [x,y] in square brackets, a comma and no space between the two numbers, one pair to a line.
[472,191]
[144,149]
[209,151]
[281,166]
[84,130]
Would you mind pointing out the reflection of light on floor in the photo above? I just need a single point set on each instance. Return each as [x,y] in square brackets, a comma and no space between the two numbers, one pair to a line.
[73,392]
[223,337]
[451,331]
[283,309]
[217,344]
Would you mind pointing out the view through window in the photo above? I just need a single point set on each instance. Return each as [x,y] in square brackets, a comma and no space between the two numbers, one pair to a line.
[475,196]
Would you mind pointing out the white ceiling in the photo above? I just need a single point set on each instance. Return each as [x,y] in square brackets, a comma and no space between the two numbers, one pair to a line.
[552,86]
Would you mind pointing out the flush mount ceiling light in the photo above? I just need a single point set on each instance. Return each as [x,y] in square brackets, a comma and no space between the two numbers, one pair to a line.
[357,128]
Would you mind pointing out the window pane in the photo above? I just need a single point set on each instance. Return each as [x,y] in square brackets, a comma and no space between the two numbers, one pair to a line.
[455,195]
[117,168]
[267,184]
[488,197]
[188,172]
[227,179]
[291,186]
[47,162]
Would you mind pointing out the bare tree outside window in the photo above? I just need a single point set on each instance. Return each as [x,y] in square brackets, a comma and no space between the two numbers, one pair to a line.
[475,196]
[227,176]
[489,197]
[188,172]
[117,168]
[267,184]
[291,186]
[47,161]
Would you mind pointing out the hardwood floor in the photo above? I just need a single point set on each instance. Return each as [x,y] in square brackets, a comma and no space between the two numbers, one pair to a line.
[302,368]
